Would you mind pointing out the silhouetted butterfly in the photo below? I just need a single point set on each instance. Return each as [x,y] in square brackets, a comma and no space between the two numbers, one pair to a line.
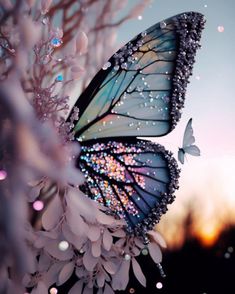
[188,141]
[138,93]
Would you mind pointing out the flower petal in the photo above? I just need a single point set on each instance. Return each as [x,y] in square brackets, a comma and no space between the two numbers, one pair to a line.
[155,252]
[138,272]
[52,247]
[89,260]
[157,237]
[96,248]
[45,6]
[121,278]
[52,214]
[77,288]
[108,289]
[104,218]
[81,43]
[110,267]
[76,240]
[41,289]
[119,233]
[100,279]
[107,240]
[65,273]
[88,290]
[93,233]
[43,262]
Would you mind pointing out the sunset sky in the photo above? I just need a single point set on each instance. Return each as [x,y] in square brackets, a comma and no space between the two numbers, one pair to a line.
[207,183]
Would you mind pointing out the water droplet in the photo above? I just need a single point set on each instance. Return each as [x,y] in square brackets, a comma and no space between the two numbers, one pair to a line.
[132,290]
[127,257]
[45,20]
[145,251]
[106,65]
[63,245]
[162,25]
[124,65]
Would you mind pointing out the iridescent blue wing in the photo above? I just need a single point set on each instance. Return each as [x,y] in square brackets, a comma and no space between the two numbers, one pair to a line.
[134,178]
[140,90]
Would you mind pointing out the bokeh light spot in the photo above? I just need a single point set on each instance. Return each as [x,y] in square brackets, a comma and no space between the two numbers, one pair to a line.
[159,285]
[53,291]
[38,205]
[220,29]
[63,245]
[3,175]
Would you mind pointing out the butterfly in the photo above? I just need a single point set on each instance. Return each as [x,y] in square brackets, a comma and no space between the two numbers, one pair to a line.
[188,141]
[139,92]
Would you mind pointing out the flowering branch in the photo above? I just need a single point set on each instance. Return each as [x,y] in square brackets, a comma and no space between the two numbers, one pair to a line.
[49,229]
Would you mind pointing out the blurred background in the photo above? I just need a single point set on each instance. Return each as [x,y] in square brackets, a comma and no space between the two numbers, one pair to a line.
[200,225]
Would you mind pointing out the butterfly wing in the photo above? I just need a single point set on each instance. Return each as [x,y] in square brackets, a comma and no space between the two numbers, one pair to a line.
[140,91]
[192,150]
[181,155]
[188,138]
[134,178]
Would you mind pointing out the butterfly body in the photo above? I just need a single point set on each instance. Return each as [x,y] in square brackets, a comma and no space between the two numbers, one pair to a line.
[138,93]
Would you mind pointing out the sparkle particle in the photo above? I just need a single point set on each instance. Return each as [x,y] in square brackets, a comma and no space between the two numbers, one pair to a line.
[220,29]
[60,78]
[56,42]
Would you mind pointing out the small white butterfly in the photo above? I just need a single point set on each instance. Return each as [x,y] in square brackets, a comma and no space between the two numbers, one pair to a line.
[188,141]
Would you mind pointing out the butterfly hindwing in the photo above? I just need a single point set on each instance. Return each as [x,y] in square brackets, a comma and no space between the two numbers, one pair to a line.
[136,179]
[140,91]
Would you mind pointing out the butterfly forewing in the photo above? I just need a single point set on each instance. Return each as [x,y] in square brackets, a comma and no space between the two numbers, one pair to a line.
[188,139]
[136,179]
[140,91]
